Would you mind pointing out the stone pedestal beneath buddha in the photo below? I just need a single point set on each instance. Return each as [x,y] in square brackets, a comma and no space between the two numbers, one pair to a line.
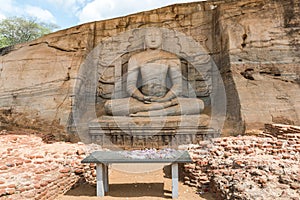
[154,132]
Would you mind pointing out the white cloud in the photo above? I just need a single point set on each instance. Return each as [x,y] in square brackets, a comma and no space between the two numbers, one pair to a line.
[72,6]
[100,9]
[6,5]
[2,16]
[96,10]
[10,8]
[39,13]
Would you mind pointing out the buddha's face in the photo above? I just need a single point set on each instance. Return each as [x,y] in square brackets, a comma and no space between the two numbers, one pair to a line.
[153,39]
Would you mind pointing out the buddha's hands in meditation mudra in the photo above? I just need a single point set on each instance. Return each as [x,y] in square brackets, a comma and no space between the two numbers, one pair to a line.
[153,98]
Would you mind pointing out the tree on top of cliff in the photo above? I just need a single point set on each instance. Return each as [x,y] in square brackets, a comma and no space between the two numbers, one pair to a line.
[16,30]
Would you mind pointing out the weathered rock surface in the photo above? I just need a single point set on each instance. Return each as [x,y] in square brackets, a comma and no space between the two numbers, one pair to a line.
[255,44]
[12,121]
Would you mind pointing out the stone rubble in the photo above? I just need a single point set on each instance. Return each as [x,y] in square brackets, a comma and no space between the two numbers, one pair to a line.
[248,167]
[282,131]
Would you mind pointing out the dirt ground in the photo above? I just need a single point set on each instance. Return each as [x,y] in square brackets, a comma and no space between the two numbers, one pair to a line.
[147,186]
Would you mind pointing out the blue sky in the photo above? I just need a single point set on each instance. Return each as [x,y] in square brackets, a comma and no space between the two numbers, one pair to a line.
[68,13]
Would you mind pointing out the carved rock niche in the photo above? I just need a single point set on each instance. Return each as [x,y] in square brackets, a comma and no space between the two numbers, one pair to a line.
[114,68]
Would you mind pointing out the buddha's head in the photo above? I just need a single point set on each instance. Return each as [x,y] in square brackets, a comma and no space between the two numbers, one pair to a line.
[153,38]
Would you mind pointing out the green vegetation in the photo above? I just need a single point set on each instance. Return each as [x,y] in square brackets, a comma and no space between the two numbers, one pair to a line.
[16,30]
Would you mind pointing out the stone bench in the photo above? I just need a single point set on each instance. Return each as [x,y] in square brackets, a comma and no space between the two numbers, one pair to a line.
[104,158]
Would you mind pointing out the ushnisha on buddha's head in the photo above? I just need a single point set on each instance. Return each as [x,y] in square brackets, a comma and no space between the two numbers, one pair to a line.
[153,38]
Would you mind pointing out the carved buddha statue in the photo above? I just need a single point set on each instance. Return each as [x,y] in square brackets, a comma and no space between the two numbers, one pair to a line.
[148,73]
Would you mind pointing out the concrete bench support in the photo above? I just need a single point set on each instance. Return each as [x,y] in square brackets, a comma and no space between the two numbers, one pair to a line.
[100,186]
[102,179]
[175,180]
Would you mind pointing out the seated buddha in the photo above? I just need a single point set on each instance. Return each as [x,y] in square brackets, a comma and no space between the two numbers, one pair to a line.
[147,84]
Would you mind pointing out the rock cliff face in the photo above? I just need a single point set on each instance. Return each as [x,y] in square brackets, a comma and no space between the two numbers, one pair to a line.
[255,44]
[262,40]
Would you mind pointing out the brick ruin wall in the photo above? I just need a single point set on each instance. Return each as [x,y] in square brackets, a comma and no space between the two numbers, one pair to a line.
[32,169]
[248,167]
[264,166]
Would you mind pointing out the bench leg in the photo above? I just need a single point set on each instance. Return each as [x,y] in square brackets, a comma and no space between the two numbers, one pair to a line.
[100,187]
[105,178]
[175,180]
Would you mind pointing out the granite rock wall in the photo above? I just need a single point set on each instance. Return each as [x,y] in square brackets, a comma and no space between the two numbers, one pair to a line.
[255,44]
[263,47]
